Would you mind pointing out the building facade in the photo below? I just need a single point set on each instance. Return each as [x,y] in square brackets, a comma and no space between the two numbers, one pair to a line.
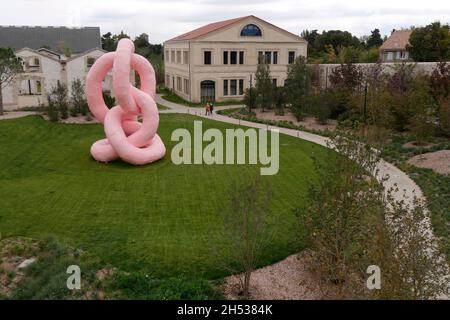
[394,48]
[43,68]
[217,62]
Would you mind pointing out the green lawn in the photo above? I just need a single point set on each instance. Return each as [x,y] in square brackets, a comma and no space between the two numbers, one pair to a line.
[161,218]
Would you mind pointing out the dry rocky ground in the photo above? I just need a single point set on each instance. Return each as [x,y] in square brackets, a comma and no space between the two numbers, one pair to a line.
[309,123]
[15,254]
[438,161]
[18,253]
[289,279]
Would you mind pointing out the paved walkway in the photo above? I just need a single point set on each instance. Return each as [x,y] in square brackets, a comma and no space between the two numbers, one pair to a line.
[16,114]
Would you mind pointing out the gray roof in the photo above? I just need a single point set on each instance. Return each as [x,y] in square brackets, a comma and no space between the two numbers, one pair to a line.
[77,39]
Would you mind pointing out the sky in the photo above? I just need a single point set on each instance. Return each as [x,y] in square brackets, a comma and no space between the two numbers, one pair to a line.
[165,19]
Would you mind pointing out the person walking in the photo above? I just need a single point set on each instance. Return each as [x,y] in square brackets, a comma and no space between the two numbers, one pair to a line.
[211,108]
[207,108]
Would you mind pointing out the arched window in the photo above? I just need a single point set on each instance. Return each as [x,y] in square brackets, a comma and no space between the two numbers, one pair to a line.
[251,30]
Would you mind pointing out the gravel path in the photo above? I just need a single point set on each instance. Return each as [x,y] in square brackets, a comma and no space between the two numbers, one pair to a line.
[16,114]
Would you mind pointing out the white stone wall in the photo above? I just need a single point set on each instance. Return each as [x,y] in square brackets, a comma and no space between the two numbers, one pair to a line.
[325,70]
[77,68]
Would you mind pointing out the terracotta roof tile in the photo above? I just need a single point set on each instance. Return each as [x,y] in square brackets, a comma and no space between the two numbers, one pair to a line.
[397,41]
[206,29]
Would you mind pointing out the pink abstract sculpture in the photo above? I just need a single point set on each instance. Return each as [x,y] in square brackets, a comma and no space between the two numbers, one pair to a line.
[126,138]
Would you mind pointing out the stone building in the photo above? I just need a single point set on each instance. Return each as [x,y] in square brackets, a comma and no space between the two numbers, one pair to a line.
[217,62]
[43,67]
[394,48]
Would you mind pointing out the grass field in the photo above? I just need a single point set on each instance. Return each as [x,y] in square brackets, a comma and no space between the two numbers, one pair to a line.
[162,219]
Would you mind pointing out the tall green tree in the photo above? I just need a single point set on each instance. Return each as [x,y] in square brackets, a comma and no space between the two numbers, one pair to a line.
[10,66]
[263,85]
[430,43]
[336,38]
[298,86]
[374,40]
[108,42]
[311,37]
[142,45]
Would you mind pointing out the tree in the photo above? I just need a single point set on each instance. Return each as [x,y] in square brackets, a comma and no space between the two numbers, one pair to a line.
[420,106]
[440,81]
[430,43]
[336,38]
[399,86]
[108,42]
[263,85]
[310,36]
[10,66]
[121,35]
[245,221]
[409,256]
[298,86]
[142,46]
[440,90]
[374,40]
[351,222]
[338,213]
[347,75]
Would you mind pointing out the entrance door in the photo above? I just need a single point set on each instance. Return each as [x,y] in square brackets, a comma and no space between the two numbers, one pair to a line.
[207,90]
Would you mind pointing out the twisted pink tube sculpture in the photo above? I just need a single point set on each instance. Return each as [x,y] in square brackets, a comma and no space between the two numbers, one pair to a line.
[126,138]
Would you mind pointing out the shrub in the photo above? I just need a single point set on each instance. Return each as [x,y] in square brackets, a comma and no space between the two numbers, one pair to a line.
[346,76]
[440,81]
[78,99]
[57,99]
[250,98]
[320,105]
[52,111]
[444,116]
[46,278]
[280,99]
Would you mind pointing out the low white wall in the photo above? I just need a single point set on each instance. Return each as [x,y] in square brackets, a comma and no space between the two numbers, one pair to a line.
[325,70]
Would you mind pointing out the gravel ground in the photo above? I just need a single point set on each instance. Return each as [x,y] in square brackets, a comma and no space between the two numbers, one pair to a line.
[289,279]
[438,161]
[308,122]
